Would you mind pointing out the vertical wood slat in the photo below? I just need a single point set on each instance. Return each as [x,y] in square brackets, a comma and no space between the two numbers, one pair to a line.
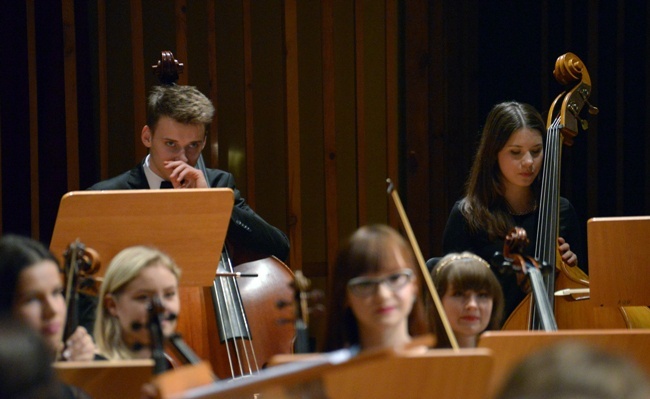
[294,202]
[647,112]
[329,137]
[426,76]
[33,120]
[362,172]
[102,74]
[181,38]
[248,103]
[392,150]
[592,140]
[137,46]
[70,88]
[620,106]
[545,75]
[213,160]
[1,218]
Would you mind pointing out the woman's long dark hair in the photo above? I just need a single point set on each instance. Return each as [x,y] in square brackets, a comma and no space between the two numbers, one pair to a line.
[484,205]
[16,254]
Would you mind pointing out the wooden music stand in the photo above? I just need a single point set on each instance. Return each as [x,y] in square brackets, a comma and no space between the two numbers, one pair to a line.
[188,225]
[107,379]
[511,347]
[437,373]
[619,254]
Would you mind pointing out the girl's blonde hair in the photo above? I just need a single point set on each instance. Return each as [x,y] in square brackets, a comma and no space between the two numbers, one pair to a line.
[124,268]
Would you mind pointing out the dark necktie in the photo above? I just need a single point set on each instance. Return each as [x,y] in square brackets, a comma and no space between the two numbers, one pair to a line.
[166,184]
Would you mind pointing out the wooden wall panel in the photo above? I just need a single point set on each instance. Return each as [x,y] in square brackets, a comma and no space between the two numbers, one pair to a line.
[70,84]
[329,135]
[33,119]
[318,102]
[292,82]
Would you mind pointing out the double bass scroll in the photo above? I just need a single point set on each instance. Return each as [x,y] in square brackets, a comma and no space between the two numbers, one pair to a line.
[562,128]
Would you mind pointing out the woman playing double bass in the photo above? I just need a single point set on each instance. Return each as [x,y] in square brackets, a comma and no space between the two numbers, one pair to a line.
[503,191]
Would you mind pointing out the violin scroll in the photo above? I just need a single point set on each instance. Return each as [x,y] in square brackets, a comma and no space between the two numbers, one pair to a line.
[80,263]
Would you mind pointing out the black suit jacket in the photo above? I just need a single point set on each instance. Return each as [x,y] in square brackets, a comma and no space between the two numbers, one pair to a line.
[247,231]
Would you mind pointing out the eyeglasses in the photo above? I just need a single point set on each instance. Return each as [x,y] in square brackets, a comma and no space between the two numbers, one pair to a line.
[366,286]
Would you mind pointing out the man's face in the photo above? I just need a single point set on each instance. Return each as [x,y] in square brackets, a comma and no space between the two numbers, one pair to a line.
[173,141]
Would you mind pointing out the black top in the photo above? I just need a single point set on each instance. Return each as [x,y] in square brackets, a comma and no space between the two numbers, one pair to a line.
[247,231]
[457,238]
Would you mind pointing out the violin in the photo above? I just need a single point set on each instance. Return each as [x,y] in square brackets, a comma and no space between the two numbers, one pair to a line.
[80,263]
[302,309]
[170,376]
[570,312]
[513,259]
[241,333]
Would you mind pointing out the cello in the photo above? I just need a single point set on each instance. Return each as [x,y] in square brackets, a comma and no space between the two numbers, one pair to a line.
[233,323]
[573,311]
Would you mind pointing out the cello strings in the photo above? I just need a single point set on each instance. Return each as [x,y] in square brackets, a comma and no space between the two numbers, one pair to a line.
[232,336]
[247,345]
[221,322]
[240,338]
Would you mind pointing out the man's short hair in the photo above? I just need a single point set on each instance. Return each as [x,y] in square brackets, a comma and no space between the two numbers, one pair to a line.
[184,104]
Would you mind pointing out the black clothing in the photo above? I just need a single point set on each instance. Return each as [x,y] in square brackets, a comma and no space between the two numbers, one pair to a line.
[457,238]
[246,232]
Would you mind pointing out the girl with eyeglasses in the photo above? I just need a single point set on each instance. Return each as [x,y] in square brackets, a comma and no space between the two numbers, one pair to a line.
[375,300]
[471,297]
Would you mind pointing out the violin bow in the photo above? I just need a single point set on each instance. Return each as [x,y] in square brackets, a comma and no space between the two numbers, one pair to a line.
[425,272]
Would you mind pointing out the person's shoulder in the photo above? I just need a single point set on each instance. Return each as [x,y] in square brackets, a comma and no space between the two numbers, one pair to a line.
[565,204]
[219,178]
[130,179]
[457,208]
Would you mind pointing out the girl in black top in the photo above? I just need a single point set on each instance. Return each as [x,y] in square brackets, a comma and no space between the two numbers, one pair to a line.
[503,190]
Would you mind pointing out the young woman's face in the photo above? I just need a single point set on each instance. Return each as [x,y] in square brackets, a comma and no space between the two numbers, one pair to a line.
[520,159]
[468,311]
[385,305]
[132,303]
[40,303]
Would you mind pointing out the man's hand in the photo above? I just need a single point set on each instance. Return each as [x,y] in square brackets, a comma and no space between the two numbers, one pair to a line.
[185,176]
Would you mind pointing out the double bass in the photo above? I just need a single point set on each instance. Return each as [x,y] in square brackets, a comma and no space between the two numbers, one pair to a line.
[571,311]
[234,322]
